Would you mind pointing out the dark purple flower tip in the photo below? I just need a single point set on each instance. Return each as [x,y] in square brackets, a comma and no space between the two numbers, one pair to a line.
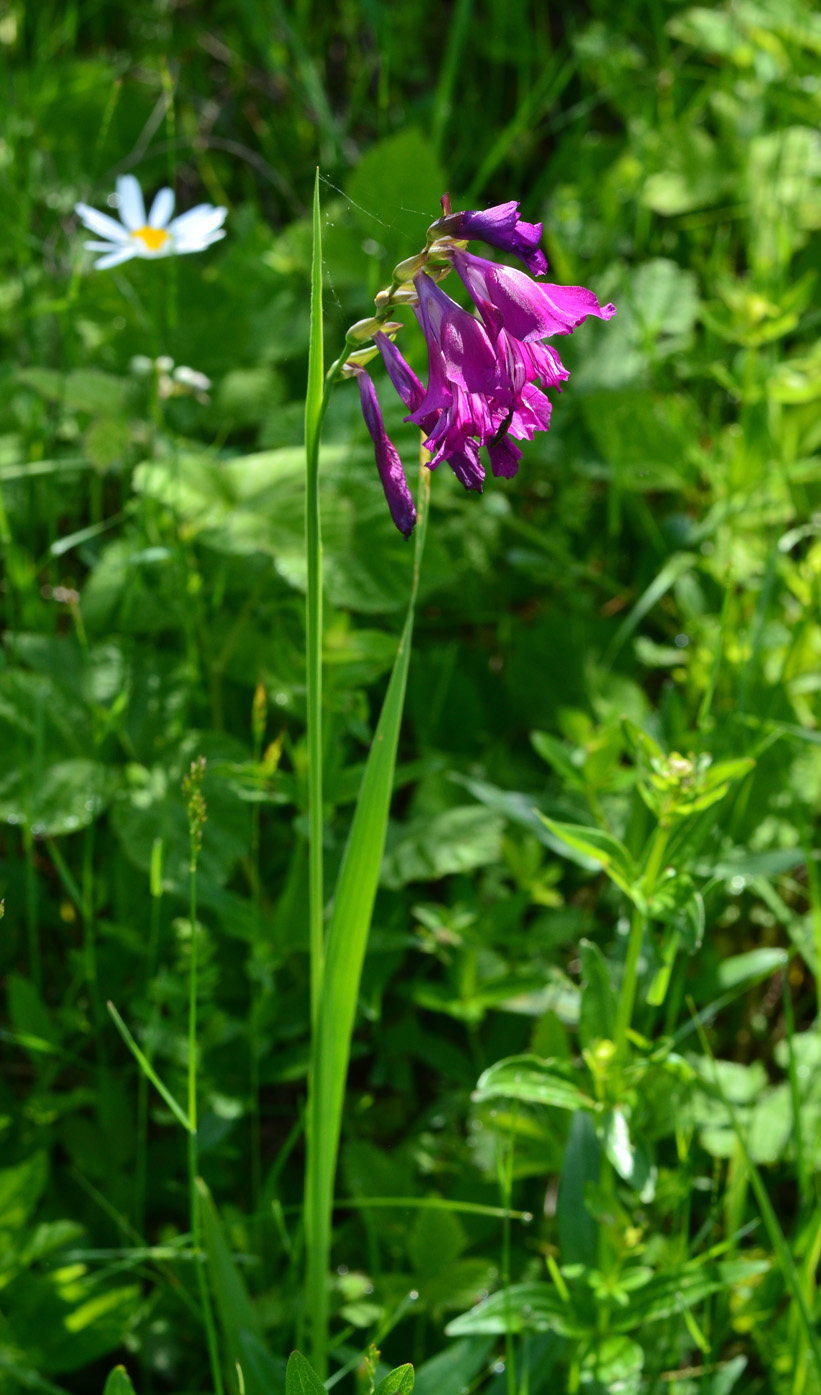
[504,457]
[388,463]
[509,300]
[400,373]
[500,227]
[467,467]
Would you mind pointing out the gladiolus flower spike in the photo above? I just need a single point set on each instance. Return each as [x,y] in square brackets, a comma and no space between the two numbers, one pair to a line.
[487,373]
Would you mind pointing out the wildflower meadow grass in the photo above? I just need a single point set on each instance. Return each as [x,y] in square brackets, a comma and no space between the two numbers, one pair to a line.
[411,914]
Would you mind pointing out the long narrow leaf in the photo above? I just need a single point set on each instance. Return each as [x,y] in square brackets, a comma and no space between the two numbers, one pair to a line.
[262,1373]
[313,611]
[147,1068]
[786,1263]
[347,942]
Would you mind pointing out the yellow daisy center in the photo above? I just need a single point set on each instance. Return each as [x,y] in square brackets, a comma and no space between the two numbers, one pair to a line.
[153,238]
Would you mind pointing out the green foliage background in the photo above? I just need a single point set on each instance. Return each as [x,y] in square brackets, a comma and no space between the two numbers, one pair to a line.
[657,559]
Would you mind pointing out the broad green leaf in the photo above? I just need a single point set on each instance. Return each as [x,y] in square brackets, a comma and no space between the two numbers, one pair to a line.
[747,968]
[21,1188]
[149,805]
[30,1017]
[118,1382]
[68,795]
[517,808]
[529,1079]
[533,1307]
[435,1240]
[558,755]
[399,1381]
[593,843]
[581,1165]
[597,1015]
[615,1364]
[453,1370]
[684,1286]
[629,1156]
[725,1379]
[400,181]
[301,1378]
[457,840]
[65,1321]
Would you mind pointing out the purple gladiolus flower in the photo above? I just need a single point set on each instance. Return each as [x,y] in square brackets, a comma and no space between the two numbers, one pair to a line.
[500,227]
[487,375]
[509,300]
[463,381]
[397,493]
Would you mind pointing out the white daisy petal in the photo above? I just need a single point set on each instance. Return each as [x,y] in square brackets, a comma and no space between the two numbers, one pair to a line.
[122,254]
[131,206]
[204,217]
[161,209]
[198,244]
[101,246]
[100,223]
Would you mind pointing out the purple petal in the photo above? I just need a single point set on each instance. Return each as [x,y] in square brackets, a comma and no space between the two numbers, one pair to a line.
[467,467]
[532,414]
[509,300]
[500,227]
[504,458]
[400,373]
[388,463]
[468,356]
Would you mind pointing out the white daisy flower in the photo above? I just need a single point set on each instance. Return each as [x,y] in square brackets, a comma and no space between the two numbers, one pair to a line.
[158,235]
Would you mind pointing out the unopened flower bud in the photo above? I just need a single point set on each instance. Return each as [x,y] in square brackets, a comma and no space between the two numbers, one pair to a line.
[398,295]
[357,360]
[259,713]
[364,329]
[409,268]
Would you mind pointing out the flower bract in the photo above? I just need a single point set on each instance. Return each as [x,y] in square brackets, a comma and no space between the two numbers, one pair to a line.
[152,236]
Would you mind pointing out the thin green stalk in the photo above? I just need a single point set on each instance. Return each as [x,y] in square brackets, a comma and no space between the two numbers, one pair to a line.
[314,411]
[196,810]
[258,721]
[638,924]
[196,1221]
[505,1170]
[141,1169]
[783,1253]
[627,995]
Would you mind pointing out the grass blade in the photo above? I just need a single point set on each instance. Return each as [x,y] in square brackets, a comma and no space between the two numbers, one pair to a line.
[313,546]
[347,942]
[786,1263]
[147,1068]
[262,1373]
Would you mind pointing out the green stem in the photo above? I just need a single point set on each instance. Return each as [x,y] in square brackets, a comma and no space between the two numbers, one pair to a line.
[315,402]
[638,924]
[141,1169]
[196,1224]
[627,996]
